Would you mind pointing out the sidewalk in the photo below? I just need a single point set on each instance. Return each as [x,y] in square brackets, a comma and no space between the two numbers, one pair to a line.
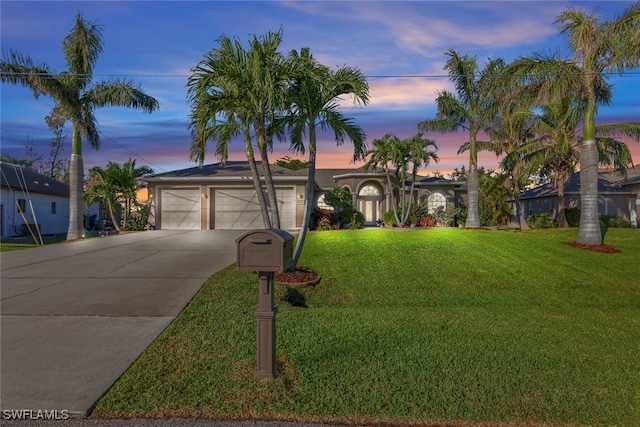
[75,316]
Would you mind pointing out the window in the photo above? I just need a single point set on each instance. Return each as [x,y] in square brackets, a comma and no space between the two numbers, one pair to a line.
[322,204]
[436,201]
[369,190]
[53,207]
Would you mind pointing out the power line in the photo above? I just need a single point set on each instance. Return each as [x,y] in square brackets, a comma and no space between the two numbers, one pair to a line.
[382,76]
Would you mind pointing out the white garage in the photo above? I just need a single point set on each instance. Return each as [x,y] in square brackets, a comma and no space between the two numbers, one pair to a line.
[239,208]
[180,208]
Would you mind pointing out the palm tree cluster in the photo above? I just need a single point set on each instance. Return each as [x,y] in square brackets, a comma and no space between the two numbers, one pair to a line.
[259,94]
[401,158]
[534,108]
[116,184]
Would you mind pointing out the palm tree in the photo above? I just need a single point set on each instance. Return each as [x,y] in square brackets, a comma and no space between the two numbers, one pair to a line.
[75,98]
[129,182]
[103,186]
[555,151]
[216,89]
[469,108]
[599,48]
[313,97]
[406,157]
[233,91]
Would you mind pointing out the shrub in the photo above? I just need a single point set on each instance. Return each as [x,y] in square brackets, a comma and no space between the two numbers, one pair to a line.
[324,224]
[349,216]
[318,214]
[139,219]
[573,216]
[540,220]
[427,220]
[445,217]
[612,221]
[390,219]
[339,197]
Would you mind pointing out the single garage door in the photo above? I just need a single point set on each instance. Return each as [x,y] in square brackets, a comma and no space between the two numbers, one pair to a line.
[239,209]
[180,209]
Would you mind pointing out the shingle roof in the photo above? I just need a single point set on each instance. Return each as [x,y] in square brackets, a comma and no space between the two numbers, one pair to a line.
[230,169]
[15,177]
[573,187]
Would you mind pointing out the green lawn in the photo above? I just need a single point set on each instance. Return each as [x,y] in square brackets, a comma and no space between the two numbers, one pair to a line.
[426,326]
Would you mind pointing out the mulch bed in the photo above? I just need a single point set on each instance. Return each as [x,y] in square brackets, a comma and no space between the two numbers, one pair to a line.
[300,278]
[603,249]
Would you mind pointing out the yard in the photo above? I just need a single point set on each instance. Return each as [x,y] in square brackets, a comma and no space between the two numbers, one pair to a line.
[426,327]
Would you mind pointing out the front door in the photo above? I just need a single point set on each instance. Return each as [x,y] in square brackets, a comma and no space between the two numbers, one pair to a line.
[370,210]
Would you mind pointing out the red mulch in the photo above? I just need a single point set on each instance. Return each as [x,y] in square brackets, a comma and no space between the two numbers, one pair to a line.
[300,278]
[603,249]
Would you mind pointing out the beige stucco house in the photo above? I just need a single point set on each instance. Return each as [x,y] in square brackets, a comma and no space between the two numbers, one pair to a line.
[218,196]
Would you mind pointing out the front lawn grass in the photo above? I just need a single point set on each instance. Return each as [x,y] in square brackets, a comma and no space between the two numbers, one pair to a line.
[424,327]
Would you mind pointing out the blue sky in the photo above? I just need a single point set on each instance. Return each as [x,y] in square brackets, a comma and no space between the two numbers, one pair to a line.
[157,43]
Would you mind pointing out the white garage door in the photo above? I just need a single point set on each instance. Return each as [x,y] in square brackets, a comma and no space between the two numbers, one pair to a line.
[180,209]
[239,209]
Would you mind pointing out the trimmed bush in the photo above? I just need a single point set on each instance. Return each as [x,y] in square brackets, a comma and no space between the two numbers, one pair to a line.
[573,216]
[540,220]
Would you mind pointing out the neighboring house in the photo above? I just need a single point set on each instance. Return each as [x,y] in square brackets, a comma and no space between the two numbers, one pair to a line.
[616,195]
[220,196]
[43,201]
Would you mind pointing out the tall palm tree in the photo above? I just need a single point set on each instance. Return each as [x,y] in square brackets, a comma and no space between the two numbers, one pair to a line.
[555,151]
[382,154]
[599,48]
[233,91]
[469,108]
[76,97]
[217,89]
[313,103]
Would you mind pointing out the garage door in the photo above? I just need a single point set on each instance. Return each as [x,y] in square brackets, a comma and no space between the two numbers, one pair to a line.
[239,209]
[180,209]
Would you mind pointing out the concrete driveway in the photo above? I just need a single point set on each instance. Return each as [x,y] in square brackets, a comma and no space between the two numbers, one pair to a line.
[75,316]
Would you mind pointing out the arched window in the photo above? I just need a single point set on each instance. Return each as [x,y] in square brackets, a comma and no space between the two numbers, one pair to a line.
[436,201]
[369,190]
[322,204]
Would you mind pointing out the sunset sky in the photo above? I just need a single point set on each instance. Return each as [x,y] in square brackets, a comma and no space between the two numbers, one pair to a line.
[398,45]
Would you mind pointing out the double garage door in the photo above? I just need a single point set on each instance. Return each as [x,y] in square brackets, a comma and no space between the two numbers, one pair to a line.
[232,208]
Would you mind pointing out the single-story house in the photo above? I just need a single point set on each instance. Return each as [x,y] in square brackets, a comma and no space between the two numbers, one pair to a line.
[28,198]
[42,200]
[617,195]
[218,196]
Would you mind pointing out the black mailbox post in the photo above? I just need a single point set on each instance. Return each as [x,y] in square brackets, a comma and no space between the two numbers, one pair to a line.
[266,252]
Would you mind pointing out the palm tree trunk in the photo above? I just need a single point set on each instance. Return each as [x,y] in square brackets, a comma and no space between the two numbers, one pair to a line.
[258,187]
[112,213]
[589,232]
[562,217]
[271,190]
[76,179]
[473,185]
[520,213]
[308,200]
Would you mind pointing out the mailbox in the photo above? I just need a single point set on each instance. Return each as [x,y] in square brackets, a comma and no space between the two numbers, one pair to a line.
[265,250]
